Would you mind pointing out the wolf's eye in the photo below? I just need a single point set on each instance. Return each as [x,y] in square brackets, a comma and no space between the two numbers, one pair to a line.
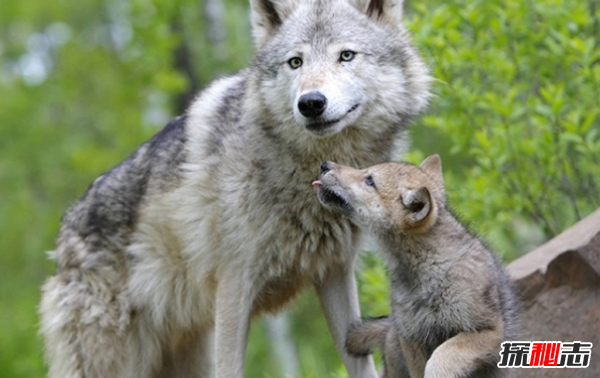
[347,56]
[295,62]
[369,181]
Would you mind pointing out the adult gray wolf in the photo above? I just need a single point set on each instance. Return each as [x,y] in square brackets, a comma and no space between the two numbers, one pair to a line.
[214,220]
[452,302]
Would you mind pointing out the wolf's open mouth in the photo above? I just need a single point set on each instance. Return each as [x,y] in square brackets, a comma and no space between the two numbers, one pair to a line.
[324,124]
[331,198]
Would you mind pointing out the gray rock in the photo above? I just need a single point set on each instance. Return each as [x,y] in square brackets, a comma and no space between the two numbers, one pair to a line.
[559,285]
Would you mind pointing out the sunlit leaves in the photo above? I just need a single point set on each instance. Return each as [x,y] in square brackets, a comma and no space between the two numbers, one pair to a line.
[520,97]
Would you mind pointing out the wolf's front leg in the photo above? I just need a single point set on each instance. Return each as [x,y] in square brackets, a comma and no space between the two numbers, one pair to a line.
[339,300]
[235,295]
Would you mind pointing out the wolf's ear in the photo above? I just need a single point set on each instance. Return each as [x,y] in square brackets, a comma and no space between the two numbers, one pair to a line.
[381,10]
[267,16]
[432,165]
[419,206]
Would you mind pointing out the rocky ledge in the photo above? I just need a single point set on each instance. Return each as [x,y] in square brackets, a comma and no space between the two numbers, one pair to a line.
[559,285]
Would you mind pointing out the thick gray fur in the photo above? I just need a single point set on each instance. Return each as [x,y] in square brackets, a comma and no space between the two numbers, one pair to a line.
[165,258]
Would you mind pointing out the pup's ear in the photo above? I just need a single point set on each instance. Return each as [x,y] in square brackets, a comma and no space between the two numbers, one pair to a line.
[382,10]
[432,165]
[267,16]
[419,206]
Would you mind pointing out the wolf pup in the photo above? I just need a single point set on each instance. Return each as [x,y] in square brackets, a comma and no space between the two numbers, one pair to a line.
[452,302]
[213,220]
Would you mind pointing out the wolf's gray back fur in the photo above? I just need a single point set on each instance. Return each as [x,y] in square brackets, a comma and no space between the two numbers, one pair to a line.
[106,215]
[214,219]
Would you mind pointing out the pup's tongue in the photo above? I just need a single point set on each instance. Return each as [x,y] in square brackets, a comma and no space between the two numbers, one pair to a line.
[317,183]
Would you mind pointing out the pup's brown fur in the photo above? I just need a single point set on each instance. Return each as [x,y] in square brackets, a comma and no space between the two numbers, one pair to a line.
[452,302]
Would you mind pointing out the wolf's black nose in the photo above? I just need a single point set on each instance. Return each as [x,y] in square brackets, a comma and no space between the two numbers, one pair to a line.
[325,167]
[312,104]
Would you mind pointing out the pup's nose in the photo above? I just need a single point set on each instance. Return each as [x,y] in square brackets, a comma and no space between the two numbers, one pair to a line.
[325,167]
[312,104]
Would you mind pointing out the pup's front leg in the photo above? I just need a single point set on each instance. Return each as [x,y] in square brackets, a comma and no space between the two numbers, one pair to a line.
[415,356]
[235,296]
[460,355]
[339,300]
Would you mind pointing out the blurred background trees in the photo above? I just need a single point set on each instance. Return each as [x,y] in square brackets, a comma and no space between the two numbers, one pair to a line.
[82,84]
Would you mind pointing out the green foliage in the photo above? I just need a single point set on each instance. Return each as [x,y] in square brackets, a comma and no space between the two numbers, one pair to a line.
[82,84]
[517,111]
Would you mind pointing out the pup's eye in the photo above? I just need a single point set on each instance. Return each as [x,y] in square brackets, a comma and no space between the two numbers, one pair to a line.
[295,62]
[369,181]
[347,56]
